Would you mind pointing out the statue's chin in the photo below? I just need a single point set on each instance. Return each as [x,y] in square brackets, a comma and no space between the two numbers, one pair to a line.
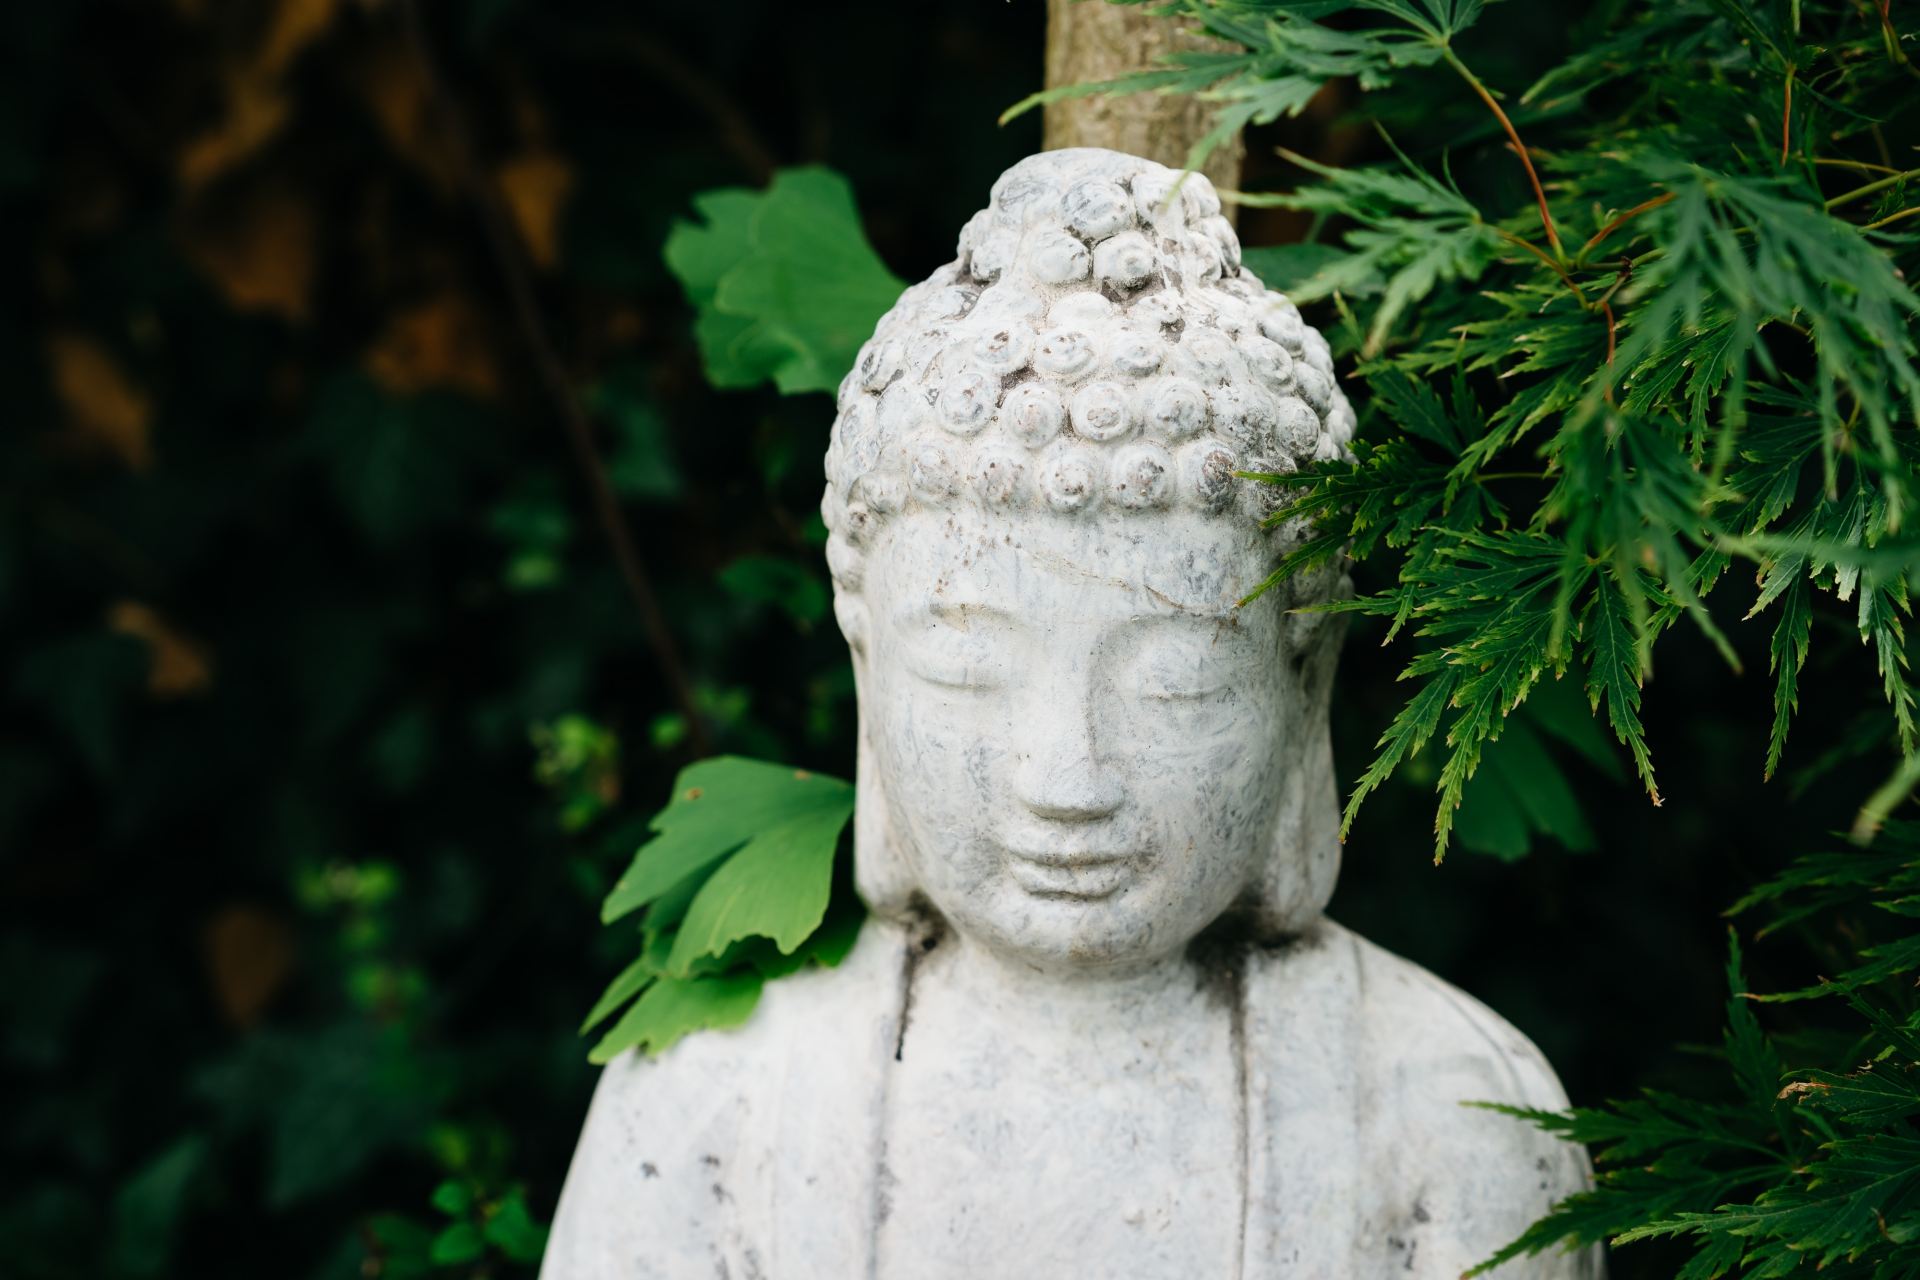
[1100,923]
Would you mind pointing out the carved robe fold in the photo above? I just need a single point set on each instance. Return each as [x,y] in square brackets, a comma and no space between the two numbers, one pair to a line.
[761,1153]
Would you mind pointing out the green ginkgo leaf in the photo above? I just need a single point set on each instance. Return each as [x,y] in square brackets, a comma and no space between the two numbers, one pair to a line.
[718,806]
[737,886]
[784,281]
[676,1007]
[775,887]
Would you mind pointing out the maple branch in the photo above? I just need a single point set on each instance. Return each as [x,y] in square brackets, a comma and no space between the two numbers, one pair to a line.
[1621,220]
[1534,249]
[1891,37]
[1892,217]
[1786,119]
[1513,135]
[1872,187]
[1855,164]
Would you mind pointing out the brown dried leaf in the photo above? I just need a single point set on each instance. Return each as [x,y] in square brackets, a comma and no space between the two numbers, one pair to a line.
[259,254]
[249,955]
[256,102]
[438,343]
[536,185]
[255,110]
[179,667]
[104,406]
[399,99]
[296,24]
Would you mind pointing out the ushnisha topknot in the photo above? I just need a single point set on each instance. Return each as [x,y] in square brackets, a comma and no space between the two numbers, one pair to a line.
[1096,343]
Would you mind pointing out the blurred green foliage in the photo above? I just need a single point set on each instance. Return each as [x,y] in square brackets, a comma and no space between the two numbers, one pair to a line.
[327,719]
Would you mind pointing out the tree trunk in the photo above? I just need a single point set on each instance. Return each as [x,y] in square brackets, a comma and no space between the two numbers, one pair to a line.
[1093,40]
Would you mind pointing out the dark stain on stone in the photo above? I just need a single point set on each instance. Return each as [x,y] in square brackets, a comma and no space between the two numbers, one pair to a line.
[927,930]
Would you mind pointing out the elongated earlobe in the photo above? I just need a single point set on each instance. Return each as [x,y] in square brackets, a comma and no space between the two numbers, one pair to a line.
[880,871]
[1300,873]
[851,613]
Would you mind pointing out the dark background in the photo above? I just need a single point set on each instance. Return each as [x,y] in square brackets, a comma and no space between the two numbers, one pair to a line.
[325,715]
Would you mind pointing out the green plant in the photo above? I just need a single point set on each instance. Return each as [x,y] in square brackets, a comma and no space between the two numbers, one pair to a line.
[1800,1169]
[783,281]
[321,677]
[1667,327]
[737,886]
[735,883]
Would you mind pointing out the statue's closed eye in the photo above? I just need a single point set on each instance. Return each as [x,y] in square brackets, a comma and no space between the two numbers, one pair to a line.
[977,673]
[959,652]
[1183,672]
[1177,661]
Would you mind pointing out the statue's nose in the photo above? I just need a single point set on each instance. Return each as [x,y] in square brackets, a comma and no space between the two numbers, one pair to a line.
[1060,774]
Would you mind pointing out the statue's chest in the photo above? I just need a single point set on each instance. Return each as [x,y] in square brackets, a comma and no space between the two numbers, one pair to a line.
[1063,1145]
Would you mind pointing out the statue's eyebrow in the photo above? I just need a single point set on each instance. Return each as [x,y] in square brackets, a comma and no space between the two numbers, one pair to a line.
[1194,585]
[963,614]
[1200,611]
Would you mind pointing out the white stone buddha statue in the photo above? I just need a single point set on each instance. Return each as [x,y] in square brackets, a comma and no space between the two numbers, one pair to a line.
[1097,1024]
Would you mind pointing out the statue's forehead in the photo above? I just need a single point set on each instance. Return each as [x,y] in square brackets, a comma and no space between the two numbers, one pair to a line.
[1171,562]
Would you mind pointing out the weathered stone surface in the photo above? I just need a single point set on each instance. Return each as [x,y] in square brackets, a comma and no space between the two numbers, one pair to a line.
[1100,1025]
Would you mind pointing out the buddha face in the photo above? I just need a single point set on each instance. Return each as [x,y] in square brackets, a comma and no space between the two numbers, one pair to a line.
[1076,730]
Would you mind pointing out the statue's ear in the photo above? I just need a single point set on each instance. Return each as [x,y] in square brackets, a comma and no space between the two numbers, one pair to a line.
[1313,642]
[880,872]
[850,611]
[1298,878]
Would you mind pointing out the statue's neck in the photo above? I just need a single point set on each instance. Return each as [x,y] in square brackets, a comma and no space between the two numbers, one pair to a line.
[1140,993]
[1047,1123]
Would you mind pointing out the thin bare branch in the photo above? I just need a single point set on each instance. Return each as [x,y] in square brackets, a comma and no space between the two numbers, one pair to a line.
[510,258]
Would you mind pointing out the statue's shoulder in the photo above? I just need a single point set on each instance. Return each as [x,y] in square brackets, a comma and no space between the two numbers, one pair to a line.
[1403,1018]
[1381,1058]
[795,1015]
[686,1159]
[1428,1026]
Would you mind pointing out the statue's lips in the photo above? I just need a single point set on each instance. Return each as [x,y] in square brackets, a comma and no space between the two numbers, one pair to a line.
[1075,874]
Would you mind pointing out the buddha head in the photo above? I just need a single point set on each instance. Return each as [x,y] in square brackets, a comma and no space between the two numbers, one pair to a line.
[1077,745]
